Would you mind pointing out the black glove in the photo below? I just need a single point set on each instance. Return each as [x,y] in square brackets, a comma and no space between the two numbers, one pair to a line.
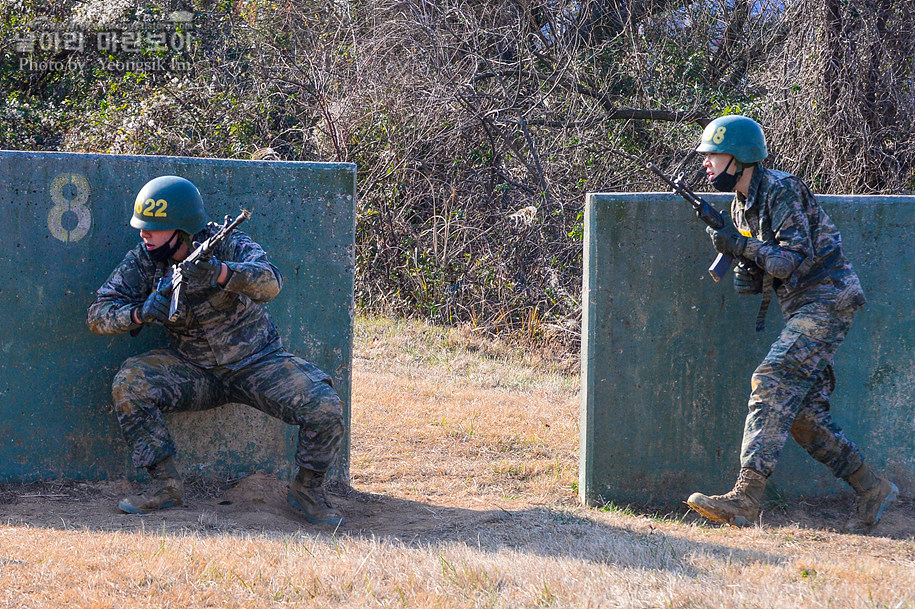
[155,309]
[204,272]
[747,279]
[727,239]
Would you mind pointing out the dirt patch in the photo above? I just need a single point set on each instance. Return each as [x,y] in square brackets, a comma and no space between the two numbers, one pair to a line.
[257,504]
[830,513]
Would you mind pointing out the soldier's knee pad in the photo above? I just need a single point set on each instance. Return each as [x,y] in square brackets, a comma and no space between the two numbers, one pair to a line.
[127,385]
[765,381]
[331,408]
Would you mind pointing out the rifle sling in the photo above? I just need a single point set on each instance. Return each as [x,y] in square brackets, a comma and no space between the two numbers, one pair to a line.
[764,305]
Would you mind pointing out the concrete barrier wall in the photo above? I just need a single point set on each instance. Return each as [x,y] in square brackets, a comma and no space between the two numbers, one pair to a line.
[667,353]
[64,229]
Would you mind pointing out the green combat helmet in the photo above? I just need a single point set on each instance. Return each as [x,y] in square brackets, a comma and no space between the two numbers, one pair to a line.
[169,203]
[736,135]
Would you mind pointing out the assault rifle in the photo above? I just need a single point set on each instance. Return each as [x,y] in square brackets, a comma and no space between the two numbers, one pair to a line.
[204,251]
[705,212]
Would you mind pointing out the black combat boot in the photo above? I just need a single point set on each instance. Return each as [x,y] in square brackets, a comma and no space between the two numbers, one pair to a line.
[873,494]
[306,494]
[167,490]
[739,507]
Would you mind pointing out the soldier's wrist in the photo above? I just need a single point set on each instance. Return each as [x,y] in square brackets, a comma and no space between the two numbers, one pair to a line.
[225,276]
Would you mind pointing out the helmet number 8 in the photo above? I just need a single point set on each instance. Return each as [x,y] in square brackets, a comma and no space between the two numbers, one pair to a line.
[718,136]
[152,208]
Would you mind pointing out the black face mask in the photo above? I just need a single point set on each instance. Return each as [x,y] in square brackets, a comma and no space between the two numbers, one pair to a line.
[166,250]
[724,181]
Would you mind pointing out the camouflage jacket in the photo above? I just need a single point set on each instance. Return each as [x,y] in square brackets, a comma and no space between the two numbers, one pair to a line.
[795,241]
[217,326]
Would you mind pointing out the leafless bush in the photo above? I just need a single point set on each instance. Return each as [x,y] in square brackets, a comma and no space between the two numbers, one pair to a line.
[841,95]
[478,127]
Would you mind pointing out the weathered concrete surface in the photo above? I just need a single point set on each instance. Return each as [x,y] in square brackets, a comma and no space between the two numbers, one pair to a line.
[667,354]
[64,230]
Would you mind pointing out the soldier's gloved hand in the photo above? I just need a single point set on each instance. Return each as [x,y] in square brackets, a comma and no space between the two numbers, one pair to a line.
[155,309]
[727,239]
[747,280]
[204,272]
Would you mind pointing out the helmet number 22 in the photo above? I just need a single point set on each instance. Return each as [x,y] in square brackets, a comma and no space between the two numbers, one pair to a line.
[149,207]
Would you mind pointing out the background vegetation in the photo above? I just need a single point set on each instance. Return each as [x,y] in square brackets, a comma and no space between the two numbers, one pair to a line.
[477,126]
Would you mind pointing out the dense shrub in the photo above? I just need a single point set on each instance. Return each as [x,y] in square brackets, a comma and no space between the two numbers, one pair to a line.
[477,127]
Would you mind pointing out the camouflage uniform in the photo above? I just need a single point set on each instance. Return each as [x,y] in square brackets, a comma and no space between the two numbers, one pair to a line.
[819,295]
[223,348]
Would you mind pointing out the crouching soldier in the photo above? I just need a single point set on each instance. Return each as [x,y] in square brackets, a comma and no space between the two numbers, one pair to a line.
[222,348]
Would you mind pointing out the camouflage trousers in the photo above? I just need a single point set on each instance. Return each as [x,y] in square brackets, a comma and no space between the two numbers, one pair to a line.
[280,384]
[790,395]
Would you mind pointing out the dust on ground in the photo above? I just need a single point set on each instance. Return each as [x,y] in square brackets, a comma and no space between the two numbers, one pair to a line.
[256,504]
[253,504]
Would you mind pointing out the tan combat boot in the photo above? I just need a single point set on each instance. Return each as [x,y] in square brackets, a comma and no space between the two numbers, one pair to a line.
[873,494]
[306,494]
[739,507]
[167,491]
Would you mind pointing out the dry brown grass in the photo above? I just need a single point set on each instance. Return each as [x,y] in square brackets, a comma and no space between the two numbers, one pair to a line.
[470,418]
[463,459]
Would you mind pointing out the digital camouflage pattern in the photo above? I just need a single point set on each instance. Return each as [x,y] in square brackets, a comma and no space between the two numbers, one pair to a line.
[223,349]
[790,392]
[279,384]
[793,236]
[819,294]
[217,326]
